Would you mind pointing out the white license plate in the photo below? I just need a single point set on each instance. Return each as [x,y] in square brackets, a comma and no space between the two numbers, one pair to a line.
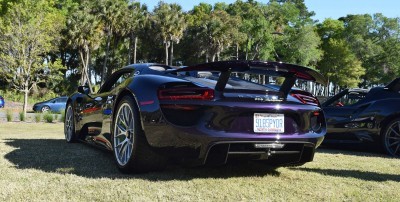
[269,123]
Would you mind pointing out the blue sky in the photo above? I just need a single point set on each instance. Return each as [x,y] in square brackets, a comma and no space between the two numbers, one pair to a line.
[322,8]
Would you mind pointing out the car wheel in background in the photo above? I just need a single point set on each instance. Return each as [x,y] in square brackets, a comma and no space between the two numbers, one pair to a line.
[45,108]
[69,125]
[391,138]
[132,152]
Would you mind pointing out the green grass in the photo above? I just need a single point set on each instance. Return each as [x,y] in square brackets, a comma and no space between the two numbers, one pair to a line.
[37,164]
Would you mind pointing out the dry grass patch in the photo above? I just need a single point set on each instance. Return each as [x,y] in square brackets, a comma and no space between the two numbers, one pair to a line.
[36,164]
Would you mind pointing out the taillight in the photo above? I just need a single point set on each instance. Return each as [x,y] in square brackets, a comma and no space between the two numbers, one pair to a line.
[186,94]
[316,120]
[305,99]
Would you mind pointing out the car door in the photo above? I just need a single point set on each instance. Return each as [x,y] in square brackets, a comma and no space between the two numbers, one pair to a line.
[97,113]
[341,109]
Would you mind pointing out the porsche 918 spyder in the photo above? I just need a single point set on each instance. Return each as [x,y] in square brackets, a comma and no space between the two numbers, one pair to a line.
[365,116]
[212,113]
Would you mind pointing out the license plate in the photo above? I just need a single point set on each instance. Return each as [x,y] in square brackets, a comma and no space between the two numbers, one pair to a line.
[269,123]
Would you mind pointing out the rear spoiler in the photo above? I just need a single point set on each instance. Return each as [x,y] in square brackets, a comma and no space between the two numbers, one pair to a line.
[394,85]
[291,72]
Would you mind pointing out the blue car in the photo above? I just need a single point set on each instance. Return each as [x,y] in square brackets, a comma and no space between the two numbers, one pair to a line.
[1,102]
[54,105]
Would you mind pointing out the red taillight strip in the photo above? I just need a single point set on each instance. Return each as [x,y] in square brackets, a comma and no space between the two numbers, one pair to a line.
[186,94]
[305,99]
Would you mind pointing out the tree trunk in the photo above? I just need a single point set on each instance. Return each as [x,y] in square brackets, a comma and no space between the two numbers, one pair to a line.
[166,52]
[237,51]
[130,49]
[104,72]
[26,91]
[172,53]
[135,49]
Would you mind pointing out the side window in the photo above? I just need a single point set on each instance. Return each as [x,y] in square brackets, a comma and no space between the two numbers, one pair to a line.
[121,79]
[115,80]
[348,99]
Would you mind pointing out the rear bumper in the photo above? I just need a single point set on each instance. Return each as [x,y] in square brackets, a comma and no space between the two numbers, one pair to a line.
[199,146]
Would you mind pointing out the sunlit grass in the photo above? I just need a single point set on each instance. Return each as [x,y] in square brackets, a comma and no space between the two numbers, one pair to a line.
[36,164]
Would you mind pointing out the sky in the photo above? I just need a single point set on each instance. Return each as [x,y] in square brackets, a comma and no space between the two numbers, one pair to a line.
[322,8]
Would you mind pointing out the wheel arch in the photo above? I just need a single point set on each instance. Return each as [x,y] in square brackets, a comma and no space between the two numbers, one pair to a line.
[387,120]
[119,97]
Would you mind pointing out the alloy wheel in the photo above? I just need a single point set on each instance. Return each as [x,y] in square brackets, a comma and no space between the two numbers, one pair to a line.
[124,134]
[392,139]
[68,125]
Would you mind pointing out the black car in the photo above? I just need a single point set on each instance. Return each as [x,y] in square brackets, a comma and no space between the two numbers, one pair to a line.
[365,116]
[148,113]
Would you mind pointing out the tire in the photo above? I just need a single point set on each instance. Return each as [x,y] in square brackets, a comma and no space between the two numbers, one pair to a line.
[391,138]
[45,108]
[69,125]
[131,151]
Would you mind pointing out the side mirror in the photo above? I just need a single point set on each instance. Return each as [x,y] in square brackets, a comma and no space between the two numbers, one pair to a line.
[84,90]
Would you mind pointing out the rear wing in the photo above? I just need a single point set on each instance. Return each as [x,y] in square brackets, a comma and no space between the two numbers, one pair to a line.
[394,85]
[291,72]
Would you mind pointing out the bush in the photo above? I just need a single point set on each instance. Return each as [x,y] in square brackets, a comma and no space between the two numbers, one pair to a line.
[62,118]
[55,117]
[38,117]
[48,117]
[9,115]
[21,116]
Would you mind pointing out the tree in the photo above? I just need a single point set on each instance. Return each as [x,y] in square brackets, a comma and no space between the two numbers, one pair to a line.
[29,30]
[169,20]
[339,64]
[85,32]
[214,30]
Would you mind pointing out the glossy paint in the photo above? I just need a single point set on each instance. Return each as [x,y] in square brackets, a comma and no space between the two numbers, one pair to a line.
[202,131]
[363,121]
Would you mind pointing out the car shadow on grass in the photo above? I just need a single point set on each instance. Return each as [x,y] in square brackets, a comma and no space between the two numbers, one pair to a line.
[362,175]
[57,156]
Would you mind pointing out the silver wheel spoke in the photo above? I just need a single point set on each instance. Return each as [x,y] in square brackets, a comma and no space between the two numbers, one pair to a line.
[397,148]
[124,134]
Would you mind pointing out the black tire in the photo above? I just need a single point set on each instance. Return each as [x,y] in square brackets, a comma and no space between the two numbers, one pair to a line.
[391,138]
[69,125]
[131,151]
[45,109]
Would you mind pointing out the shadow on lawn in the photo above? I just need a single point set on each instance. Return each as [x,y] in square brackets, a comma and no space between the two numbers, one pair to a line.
[57,156]
[362,175]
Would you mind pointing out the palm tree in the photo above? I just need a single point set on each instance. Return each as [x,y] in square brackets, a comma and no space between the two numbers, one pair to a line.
[85,32]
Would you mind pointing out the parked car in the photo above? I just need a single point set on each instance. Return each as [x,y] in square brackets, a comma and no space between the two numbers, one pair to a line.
[149,113]
[2,103]
[365,116]
[54,105]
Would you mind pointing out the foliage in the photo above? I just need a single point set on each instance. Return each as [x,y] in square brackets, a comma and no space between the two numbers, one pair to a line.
[29,30]
[62,117]
[51,47]
[21,116]
[48,117]
[38,117]
[9,115]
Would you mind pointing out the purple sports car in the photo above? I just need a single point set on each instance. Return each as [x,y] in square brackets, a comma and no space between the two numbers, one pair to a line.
[212,113]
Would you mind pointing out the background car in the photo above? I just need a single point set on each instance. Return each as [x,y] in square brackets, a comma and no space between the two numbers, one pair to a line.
[2,103]
[54,105]
[365,116]
[149,113]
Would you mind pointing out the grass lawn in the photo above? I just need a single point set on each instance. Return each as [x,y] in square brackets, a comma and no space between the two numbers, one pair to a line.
[36,164]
